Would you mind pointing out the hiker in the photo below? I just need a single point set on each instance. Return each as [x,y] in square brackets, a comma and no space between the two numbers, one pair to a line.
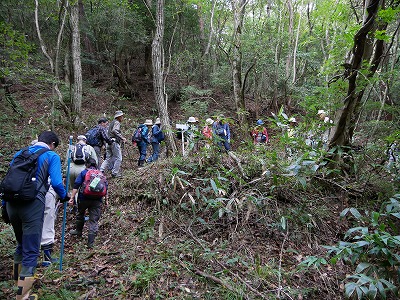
[157,136]
[113,151]
[191,135]
[79,154]
[141,138]
[91,203]
[26,215]
[291,129]
[393,153]
[325,127]
[207,132]
[97,137]
[259,133]
[222,133]
[48,232]
[49,217]
[291,151]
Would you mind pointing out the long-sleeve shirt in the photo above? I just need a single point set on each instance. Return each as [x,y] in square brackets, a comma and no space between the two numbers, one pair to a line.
[114,131]
[49,165]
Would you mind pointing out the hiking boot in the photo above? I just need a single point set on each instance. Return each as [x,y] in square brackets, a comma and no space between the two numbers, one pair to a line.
[76,232]
[47,259]
[141,163]
[90,242]
[116,175]
[79,228]
[24,288]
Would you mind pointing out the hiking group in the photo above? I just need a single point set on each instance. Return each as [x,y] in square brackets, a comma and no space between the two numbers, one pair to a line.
[34,179]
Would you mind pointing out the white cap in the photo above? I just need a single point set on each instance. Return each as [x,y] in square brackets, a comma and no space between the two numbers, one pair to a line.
[320,112]
[209,121]
[148,122]
[292,120]
[81,137]
[191,120]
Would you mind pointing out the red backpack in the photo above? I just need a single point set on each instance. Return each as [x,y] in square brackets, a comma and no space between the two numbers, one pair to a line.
[95,184]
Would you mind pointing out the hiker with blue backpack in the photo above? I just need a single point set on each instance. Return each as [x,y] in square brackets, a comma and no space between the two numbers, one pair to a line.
[222,133]
[141,139]
[114,150]
[97,137]
[157,136]
[25,203]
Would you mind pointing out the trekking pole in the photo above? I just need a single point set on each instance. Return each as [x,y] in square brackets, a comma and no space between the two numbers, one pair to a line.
[65,203]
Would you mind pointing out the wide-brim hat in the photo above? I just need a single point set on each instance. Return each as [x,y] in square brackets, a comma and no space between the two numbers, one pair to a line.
[320,112]
[148,122]
[191,120]
[118,113]
[209,121]
[157,121]
[81,137]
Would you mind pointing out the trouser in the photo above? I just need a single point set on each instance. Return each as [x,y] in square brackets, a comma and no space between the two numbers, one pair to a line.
[94,208]
[156,150]
[225,144]
[97,149]
[142,146]
[113,151]
[27,221]
[49,218]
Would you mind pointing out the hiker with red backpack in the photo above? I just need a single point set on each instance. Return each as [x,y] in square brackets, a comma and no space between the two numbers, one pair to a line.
[90,186]
[259,133]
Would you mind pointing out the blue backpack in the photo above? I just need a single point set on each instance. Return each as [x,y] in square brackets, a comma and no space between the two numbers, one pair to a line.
[93,136]
[160,136]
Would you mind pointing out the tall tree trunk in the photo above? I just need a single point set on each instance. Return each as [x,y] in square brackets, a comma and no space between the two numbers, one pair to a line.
[345,120]
[54,67]
[158,76]
[76,65]
[86,40]
[238,7]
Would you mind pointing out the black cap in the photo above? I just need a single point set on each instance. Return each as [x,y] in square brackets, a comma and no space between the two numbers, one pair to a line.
[102,120]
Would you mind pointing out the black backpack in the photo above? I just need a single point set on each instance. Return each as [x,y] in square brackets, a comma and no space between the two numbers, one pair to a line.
[79,155]
[20,181]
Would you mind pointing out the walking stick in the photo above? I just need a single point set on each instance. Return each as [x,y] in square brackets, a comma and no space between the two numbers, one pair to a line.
[65,203]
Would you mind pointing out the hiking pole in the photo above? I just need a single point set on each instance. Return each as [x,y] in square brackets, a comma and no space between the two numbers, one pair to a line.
[65,203]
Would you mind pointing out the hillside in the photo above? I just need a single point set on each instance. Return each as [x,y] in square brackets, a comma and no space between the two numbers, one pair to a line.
[207,226]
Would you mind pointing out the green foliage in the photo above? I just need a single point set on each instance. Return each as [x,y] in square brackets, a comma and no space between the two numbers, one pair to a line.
[195,101]
[15,50]
[146,273]
[372,247]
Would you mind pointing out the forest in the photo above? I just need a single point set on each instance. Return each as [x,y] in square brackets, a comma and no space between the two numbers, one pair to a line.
[314,213]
